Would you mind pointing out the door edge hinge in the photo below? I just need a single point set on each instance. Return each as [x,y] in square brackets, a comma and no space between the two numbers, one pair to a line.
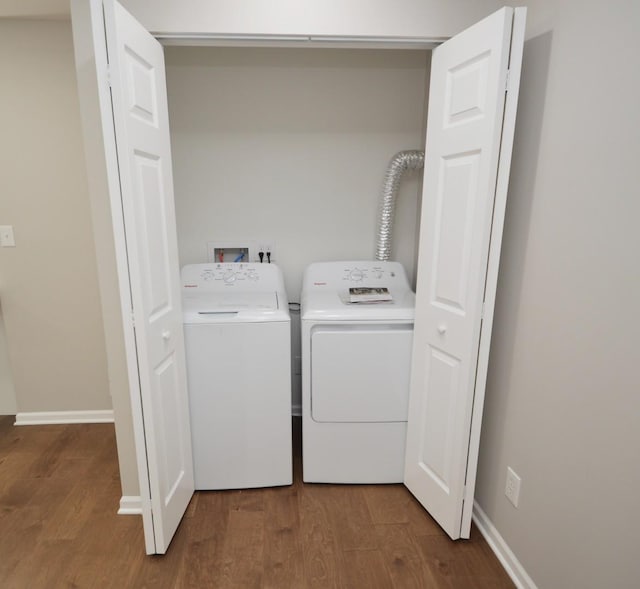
[133,319]
[506,81]
[108,75]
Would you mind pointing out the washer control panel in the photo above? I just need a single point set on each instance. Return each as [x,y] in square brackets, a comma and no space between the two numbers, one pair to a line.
[229,274]
[216,276]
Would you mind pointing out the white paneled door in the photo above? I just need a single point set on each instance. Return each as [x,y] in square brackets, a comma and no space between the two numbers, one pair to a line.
[139,101]
[462,210]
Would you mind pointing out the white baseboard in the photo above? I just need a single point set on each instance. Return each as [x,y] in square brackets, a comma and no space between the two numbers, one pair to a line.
[130,505]
[63,417]
[500,548]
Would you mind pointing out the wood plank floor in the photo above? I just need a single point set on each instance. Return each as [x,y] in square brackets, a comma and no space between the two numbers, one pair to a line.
[59,493]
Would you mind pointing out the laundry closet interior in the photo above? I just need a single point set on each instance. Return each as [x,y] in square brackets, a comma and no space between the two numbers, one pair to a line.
[287,147]
[284,147]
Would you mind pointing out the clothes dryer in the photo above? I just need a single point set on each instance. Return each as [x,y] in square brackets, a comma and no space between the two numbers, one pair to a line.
[238,352]
[356,360]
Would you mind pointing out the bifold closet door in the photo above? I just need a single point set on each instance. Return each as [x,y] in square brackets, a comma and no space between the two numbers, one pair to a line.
[137,73]
[461,226]
[156,360]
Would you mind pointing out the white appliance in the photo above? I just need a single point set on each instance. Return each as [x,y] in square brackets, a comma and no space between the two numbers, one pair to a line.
[356,361]
[238,350]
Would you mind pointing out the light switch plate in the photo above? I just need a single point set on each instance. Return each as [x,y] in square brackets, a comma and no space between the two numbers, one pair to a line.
[6,236]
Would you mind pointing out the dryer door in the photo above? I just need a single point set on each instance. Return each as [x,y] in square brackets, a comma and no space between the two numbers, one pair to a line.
[360,373]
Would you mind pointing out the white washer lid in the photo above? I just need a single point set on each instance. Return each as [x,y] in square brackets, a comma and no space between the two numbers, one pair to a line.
[217,307]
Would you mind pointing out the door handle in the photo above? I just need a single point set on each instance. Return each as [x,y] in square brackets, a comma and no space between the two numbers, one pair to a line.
[166,334]
[442,329]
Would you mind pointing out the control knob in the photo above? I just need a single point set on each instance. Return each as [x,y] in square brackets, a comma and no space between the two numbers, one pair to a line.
[356,275]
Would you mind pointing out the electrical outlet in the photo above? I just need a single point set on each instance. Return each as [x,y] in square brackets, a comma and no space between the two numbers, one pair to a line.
[512,488]
[6,236]
[266,245]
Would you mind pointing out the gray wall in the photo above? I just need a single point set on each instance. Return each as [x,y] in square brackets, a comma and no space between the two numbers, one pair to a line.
[290,146]
[563,396]
[48,282]
[7,391]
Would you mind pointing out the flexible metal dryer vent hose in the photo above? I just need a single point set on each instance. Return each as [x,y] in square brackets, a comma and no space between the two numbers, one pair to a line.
[403,160]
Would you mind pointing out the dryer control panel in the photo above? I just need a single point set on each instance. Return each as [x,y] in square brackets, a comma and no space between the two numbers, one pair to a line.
[339,275]
[218,276]
[367,273]
[326,297]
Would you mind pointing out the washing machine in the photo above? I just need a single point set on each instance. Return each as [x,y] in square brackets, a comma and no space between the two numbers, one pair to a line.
[238,353]
[356,360]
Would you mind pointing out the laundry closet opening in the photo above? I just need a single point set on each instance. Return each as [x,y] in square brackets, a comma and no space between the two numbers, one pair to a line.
[290,146]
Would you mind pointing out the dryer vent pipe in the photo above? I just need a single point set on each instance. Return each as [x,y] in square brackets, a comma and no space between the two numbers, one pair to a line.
[403,160]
